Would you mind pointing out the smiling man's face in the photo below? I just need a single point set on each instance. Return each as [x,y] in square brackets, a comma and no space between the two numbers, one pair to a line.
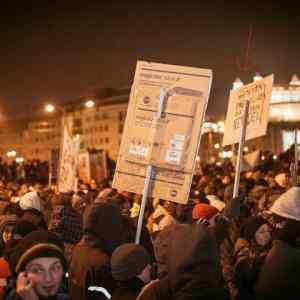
[47,274]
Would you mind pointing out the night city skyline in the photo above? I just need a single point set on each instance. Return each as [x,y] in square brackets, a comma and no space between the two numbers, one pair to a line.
[63,51]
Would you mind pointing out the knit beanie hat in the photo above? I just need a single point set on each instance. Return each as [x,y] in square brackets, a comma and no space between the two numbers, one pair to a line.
[128,261]
[39,243]
[24,227]
[204,211]
[288,204]
[250,226]
[31,200]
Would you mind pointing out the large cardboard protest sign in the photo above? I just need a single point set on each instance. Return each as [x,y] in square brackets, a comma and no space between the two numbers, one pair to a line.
[258,94]
[68,159]
[168,143]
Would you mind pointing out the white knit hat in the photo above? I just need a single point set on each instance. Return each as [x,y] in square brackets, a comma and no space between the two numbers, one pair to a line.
[288,204]
[31,200]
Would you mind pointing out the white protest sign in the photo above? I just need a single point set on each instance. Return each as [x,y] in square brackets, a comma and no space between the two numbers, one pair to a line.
[68,159]
[258,94]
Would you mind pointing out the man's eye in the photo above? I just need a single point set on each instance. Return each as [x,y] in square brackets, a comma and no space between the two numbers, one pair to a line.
[36,270]
[57,268]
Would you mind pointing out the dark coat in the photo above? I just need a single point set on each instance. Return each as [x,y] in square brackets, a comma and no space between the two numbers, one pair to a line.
[279,277]
[104,229]
[194,270]
[128,290]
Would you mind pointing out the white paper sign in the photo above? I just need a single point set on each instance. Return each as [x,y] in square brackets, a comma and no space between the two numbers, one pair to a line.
[259,94]
[68,161]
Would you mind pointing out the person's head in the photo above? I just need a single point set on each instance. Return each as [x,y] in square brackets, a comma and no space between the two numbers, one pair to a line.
[47,273]
[40,255]
[256,230]
[287,206]
[205,212]
[129,261]
[6,228]
[31,200]
[93,184]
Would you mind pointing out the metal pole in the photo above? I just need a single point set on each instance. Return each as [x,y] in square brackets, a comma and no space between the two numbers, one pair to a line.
[143,205]
[149,170]
[296,158]
[239,162]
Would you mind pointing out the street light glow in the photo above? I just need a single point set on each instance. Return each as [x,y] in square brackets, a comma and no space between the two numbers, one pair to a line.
[19,159]
[49,108]
[12,153]
[89,104]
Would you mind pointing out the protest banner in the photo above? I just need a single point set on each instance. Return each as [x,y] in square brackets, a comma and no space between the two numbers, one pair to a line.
[92,165]
[98,165]
[163,132]
[54,164]
[84,172]
[247,118]
[68,161]
[258,94]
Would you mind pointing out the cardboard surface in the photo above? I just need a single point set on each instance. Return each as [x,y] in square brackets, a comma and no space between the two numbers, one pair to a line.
[169,142]
[259,95]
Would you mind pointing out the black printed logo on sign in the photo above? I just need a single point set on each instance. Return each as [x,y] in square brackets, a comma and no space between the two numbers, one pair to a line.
[146,100]
[173,193]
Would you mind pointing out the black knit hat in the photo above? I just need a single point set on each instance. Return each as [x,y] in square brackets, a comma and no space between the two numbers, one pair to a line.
[39,243]
[128,261]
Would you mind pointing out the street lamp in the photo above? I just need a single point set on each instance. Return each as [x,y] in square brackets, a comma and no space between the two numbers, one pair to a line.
[49,108]
[89,104]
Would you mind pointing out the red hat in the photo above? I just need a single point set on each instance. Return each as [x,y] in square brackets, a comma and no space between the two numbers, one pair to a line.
[204,211]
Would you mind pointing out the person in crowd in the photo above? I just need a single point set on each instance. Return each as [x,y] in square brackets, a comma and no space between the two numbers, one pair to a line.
[20,230]
[32,209]
[38,265]
[163,216]
[204,213]
[130,267]
[279,275]
[103,232]
[65,221]
[251,250]
[6,230]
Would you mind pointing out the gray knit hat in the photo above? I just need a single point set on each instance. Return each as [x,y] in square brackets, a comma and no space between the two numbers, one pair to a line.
[128,261]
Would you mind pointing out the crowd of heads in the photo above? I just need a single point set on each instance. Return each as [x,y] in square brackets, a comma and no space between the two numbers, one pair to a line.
[81,245]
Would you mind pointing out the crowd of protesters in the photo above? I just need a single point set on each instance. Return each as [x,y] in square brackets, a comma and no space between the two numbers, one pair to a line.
[81,246]
[31,171]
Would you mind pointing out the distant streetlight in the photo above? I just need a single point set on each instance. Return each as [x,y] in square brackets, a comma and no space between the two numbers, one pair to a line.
[246,149]
[217,146]
[12,153]
[49,108]
[275,156]
[19,159]
[89,104]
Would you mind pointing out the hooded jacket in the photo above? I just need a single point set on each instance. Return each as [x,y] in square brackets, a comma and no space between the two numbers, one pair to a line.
[103,228]
[194,270]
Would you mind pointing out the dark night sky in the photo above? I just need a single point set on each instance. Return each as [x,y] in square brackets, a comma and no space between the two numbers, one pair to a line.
[67,50]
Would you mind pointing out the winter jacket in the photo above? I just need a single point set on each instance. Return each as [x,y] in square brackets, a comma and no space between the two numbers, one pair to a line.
[128,290]
[89,271]
[279,277]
